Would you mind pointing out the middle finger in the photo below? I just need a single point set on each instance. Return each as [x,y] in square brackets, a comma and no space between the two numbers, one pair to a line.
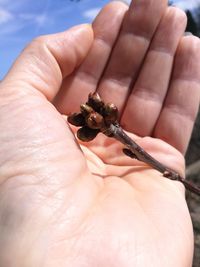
[138,28]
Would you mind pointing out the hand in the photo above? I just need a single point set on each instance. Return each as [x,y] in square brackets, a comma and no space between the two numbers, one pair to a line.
[62,205]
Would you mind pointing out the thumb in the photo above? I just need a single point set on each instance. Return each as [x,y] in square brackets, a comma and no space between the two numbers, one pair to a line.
[33,134]
[48,59]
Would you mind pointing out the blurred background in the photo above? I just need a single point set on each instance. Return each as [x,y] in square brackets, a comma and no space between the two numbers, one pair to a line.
[23,20]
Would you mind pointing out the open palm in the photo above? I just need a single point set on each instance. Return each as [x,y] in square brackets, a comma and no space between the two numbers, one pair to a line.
[88,205]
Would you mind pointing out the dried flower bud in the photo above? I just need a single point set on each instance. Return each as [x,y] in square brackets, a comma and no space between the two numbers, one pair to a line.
[86,109]
[87,134]
[95,121]
[95,101]
[110,113]
[76,119]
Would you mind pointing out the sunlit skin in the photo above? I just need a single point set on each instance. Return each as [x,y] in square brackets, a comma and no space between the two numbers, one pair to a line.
[64,203]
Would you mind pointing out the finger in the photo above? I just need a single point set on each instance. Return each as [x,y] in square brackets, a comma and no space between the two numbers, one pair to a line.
[48,59]
[181,105]
[146,100]
[106,27]
[137,31]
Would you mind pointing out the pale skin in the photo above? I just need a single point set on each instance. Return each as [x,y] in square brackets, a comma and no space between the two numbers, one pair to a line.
[87,205]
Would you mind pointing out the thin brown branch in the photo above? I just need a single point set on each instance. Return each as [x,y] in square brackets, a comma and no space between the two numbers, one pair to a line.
[96,116]
[135,151]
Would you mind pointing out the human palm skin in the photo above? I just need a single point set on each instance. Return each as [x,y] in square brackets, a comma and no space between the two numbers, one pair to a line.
[87,205]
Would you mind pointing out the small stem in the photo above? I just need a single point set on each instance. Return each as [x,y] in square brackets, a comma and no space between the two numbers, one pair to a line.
[191,187]
[96,116]
[139,153]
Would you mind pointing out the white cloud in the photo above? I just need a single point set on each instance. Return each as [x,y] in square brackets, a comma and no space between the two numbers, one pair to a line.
[4,1]
[10,29]
[124,1]
[91,13]
[5,16]
[39,19]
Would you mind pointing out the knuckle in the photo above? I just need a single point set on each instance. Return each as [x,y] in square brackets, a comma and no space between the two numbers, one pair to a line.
[37,43]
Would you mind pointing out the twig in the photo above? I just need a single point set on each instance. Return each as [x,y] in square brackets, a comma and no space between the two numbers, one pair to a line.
[96,116]
[137,152]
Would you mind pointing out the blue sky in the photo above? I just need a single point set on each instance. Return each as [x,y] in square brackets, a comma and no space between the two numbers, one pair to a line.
[22,20]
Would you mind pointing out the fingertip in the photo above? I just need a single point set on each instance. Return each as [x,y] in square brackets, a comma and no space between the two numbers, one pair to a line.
[71,47]
[177,15]
[191,42]
[187,58]
[112,15]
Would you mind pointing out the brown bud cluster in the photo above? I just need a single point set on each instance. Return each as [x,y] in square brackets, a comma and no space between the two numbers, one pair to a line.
[94,117]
